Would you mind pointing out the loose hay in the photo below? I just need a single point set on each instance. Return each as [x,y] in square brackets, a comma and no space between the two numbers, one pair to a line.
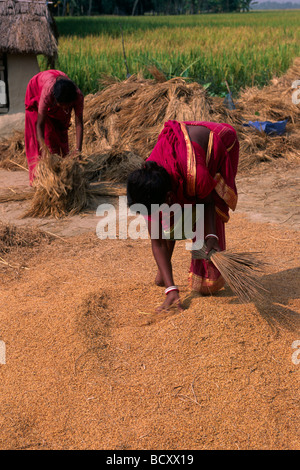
[13,196]
[13,237]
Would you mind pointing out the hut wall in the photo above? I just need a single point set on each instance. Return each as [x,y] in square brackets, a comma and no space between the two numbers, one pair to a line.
[20,69]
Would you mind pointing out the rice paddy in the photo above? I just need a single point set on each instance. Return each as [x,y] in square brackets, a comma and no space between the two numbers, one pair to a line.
[243,49]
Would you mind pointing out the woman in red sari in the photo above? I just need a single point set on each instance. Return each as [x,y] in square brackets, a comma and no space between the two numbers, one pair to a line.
[50,98]
[192,163]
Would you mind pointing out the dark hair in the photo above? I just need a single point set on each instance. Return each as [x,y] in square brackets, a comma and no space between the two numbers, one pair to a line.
[64,91]
[148,185]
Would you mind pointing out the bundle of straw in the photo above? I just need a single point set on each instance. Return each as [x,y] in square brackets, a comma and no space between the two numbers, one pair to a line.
[241,271]
[61,188]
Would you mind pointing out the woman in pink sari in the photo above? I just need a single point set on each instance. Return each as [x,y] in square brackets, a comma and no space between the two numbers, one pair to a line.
[192,163]
[50,98]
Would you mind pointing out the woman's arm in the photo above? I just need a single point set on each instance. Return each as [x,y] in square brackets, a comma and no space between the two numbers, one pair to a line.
[212,243]
[79,131]
[162,253]
[162,257]
[40,128]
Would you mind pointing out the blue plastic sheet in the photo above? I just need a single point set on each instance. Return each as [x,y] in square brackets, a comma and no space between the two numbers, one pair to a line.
[277,128]
[228,101]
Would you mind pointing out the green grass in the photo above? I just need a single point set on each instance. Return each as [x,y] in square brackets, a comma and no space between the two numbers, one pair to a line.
[244,49]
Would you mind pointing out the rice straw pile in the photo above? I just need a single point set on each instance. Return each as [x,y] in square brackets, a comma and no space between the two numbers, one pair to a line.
[61,188]
[241,271]
[130,114]
[270,103]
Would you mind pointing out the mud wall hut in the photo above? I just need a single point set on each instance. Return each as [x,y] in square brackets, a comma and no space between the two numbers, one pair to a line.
[27,29]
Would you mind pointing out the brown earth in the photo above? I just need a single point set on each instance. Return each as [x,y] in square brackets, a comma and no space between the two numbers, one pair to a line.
[10,123]
[86,369]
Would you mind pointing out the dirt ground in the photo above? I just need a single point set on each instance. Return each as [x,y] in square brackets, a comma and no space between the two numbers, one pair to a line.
[10,123]
[86,369]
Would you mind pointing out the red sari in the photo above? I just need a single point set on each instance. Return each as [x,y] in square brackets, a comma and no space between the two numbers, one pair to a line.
[195,175]
[40,100]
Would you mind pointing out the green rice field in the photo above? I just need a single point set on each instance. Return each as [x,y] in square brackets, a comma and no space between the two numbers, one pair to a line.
[245,49]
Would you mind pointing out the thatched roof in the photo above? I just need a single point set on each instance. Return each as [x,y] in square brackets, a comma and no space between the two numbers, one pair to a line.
[27,27]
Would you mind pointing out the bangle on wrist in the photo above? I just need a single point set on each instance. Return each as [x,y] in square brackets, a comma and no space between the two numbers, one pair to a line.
[212,235]
[170,289]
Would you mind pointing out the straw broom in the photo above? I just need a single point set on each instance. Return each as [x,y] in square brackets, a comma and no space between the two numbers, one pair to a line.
[241,271]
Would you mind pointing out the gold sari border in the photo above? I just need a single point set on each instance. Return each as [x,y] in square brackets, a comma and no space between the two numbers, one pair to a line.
[231,146]
[209,147]
[191,162]
[204,285]
[225,192]
[224,217]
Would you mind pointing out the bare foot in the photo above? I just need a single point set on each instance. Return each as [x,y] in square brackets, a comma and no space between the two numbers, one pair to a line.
[159,280]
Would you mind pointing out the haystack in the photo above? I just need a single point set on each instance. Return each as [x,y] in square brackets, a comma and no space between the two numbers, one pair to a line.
[270,103]
[130,114]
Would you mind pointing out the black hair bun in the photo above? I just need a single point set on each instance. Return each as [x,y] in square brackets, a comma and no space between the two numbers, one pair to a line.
[148,185]
[64,91]
[151,166]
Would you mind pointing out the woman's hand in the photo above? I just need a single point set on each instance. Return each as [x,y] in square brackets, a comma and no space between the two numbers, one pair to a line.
[79,131]
[40,128]
[45,152]
[212,243]
[172,300]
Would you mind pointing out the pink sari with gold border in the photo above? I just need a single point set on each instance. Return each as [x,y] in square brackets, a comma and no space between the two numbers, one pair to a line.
[195,174]
[39,100]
